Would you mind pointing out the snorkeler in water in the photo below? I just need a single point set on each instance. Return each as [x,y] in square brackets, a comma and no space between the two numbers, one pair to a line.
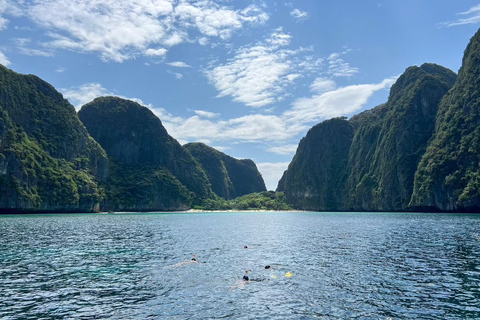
[245,246]
[194,257]
[245,277]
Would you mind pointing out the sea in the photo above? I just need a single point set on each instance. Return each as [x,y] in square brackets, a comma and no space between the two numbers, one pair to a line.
[322,266]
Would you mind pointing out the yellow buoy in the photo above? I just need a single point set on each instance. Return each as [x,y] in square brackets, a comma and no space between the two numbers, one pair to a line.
[288,274]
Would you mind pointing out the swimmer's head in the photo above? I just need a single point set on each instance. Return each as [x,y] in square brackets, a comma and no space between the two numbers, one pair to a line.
[245,246]
[267,267]
[246,272]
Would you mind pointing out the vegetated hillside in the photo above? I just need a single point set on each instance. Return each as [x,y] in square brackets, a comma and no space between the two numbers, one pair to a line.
[48,161]
[369,162]
[150,170]
[316,177]
[390,141]
[448,176]
[229,177]
[266,200]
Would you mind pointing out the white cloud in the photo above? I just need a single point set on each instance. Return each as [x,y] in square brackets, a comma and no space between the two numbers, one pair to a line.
[178,64]
[206,114]
[60,70]
[474,18]
[124,29]
[22,43]
[272,172]
[473,9]
[257,74]
[321,85]
[293,76]
[3,23]
[250,128]
[35,52]
[175,38]
[299,15]
[337,67]
[156,52]
[214,20]
[177,75]
[284,149]
[117,29]
[203,41]
[10,8]
[78,96]
[4,60]
[340,102]
[221,149]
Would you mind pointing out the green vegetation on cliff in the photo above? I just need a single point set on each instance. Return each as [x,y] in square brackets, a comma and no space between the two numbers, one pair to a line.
[316,176]
[150,169]
[448,176]
[390,141]
[48,162]
[267,200]
[369,162]
[229,177]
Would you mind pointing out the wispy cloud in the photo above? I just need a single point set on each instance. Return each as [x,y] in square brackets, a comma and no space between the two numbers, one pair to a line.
[3,59]
[214,20]
[24,46]
[177,75]
[206,114]
[472,17]
[35,52]
[8,7]
[221,148]
[299,15]
[258,74]
[78,96]
[339,102]
[284,149]
[3,23]
[156,52]
[337,67]
[124,29]
[321,85]
[179,64]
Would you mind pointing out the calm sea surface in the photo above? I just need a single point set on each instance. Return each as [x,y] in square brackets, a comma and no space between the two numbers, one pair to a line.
[343,265]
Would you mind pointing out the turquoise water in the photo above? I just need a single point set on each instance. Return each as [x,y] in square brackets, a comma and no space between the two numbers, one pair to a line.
[343,265]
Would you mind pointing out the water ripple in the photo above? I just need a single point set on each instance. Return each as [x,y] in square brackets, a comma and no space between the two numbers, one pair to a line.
[344,266]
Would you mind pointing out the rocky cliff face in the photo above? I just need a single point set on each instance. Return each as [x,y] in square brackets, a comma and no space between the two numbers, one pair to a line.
[391,140]
[229,177]
[315,179]
[448,176]
[369,162]
[48,161]
[150,169]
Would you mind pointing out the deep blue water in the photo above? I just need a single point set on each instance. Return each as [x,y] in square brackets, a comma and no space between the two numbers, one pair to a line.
[344,266]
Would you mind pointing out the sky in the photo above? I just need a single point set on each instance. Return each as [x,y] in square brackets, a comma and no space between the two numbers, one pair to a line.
[246,77]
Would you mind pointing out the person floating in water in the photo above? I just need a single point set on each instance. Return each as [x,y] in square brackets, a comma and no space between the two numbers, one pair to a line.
[245,246]
[194,260]
[267,267]
[245,277]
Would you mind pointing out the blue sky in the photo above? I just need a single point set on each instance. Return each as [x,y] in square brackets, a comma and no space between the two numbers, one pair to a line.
[246,77]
